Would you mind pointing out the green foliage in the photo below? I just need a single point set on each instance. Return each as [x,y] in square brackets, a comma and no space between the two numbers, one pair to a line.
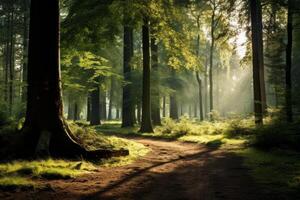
[278,135]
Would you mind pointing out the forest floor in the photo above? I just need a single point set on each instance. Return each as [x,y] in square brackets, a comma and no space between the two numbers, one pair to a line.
[171,170]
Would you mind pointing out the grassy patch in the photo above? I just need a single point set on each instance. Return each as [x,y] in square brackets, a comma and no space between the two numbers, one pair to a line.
[12,183]
[22,174]
[278,170]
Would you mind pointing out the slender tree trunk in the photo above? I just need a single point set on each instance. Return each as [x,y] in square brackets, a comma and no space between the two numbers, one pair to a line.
[11,60]
[200,95]
[139,113]
[211,59]
[103,113]
[190,111]
[258,63]
[288,75]
[88,108]
[206,89]
[111,96]
[164,107]
[196,109]
[70,110]
[25,48]
[118,113]
[155,100]
[128,119]
[173,107]
[95,106]
[146,125]
[76,112]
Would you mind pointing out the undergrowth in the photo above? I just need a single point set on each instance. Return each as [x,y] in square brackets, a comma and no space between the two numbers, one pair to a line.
[23,174]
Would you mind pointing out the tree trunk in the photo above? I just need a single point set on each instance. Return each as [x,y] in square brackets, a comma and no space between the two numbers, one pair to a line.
[88,108]
[146,125]
[200,95]
[95,106]
[258,63]
[164,106]
[45,129]
[70,110]
[111,96]
[288,75]
[103,114]
[155,100]
[173,107]
[211,59]
[76,112]
[25,48]
[11,60]
[128,119]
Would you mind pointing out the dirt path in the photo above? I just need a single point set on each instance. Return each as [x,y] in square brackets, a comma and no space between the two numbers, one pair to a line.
[172,170]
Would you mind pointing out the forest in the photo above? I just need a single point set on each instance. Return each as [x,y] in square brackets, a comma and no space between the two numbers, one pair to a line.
[150,99]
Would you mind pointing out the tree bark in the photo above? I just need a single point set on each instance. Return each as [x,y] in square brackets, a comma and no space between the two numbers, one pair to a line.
[164,106]
[88,108]
[45,128]
[111,96]
[200,95]
[128,119]
[155,100]
[258,63]
[288,75]
[173,107]
[211,59]
[146,124]
[25,48]
[95,106]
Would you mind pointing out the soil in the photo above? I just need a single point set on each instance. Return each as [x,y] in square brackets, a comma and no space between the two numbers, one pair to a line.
[172,170]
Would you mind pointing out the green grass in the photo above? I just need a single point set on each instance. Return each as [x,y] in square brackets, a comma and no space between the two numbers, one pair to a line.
[229,133]
[23,174]
[277,170]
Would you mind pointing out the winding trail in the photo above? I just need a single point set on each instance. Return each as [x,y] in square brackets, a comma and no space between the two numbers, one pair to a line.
[172,170]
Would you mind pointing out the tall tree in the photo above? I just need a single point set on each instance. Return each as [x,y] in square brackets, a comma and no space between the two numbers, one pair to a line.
[155,100]
[146,124]
[258,60]
[128,120]
[45,129]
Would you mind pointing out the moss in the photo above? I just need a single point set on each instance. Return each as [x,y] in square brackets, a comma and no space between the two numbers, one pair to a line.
[12,183]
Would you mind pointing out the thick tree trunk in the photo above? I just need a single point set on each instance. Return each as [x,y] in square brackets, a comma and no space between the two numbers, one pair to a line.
[45,128]
[288,75]
[95,106]
[155,100]
[258,63]
[128,119]
[146,125]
